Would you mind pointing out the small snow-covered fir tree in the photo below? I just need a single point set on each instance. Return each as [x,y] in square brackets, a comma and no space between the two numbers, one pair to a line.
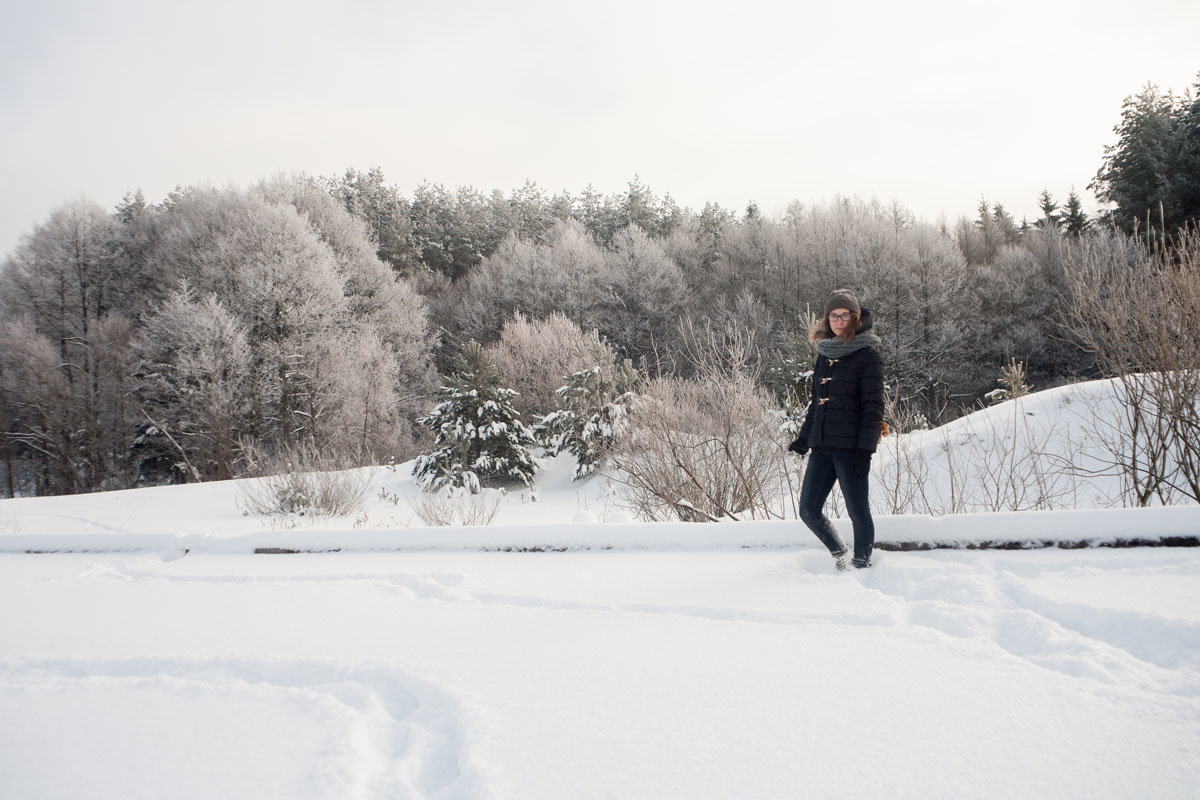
[594,405]
[1012,381]
[478,435]
[789,375]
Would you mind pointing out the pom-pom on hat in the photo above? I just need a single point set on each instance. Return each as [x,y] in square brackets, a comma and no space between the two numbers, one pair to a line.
[842,298]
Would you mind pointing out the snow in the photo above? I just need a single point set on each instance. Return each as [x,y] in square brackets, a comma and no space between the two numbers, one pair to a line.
[571,651]
[716,673]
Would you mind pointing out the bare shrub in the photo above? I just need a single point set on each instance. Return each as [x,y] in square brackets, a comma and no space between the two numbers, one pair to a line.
[701,450]
[301,482]
[900,481]
[1136,307]
[1006,470]
[455,506]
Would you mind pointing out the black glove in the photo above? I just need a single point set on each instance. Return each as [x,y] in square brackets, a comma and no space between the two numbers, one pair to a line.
[862,463]
[799,447]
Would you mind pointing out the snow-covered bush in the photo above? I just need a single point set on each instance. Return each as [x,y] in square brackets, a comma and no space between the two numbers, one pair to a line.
[478,435]
[456,506]
[314,494]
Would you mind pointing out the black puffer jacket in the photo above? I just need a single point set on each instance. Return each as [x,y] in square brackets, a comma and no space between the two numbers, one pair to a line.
[846,412]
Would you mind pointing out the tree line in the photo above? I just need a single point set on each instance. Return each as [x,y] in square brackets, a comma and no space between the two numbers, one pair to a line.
[224,332]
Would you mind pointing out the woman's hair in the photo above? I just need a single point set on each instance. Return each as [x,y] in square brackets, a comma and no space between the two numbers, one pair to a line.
[821,329]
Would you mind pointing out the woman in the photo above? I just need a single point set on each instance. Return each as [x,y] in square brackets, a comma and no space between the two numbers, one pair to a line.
[842,425]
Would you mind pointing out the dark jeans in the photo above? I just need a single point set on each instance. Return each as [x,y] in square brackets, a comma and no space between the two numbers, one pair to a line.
[823,469]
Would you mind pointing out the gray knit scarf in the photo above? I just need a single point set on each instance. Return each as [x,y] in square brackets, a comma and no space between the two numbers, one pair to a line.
[836,348]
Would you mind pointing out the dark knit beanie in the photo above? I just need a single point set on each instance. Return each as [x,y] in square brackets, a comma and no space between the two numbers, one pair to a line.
[842,298]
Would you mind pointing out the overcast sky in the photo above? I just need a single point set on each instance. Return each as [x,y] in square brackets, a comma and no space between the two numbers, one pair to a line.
[933,103]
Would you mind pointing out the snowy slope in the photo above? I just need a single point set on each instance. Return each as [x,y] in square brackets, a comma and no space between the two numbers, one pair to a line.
[1047,450]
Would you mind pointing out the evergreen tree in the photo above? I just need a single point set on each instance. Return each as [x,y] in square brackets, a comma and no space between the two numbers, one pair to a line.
[1074,219]
[1152,174]
[530,213]
[478,435]
[132,206]
[986,224]
[594,404]
[639,207]
[1050,219]
[598,215]
[385,213]
[789,374]
[1186,170]
[1005,224]
[454,232]
[711,233]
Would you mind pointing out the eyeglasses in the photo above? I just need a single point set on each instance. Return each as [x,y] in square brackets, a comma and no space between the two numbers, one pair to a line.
[843,317]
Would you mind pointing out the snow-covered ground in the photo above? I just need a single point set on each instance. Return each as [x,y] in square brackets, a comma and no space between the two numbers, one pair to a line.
[570,652]
[626,674]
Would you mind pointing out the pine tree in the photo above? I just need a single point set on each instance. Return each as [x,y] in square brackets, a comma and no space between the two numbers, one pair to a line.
[478,435]
[1152,174]
[1074,219]
[992,237]
[710,234]
[1005,224]
[385,213]
[1051,219]
[1012,382]
[789,374]
[594,406]
[1186,167]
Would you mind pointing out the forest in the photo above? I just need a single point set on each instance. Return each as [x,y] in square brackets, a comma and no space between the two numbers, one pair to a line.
[335,321]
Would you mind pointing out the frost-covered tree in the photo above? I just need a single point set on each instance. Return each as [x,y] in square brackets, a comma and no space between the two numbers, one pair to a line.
[478,435]
[273,274]
[789,374]
[336,341]
[569,274]
[533,355]
[64,275]
[1019,300]
[646,294]
[452,231]
[66,292]
[526,212]
[922,310]
[198,386]
[380,305]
